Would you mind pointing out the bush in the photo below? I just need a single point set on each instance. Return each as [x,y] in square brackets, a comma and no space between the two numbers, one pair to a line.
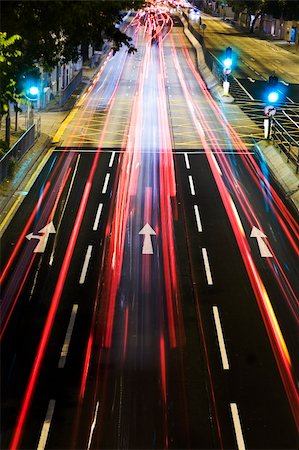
[11,166]
[3,148]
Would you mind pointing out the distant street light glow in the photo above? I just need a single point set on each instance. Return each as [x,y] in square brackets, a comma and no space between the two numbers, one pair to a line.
[273,97]
[227,62]
[33,90]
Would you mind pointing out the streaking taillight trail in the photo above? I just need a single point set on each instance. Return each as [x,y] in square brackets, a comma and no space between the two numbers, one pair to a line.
[28,396]
[276,338]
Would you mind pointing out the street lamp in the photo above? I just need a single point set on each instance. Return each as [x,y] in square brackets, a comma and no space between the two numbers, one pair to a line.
[273,95]
[227,63]
[270,110]
[32,94]
[33,91]
[227,68]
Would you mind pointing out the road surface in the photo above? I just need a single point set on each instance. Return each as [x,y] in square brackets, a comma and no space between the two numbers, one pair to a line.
[150,276]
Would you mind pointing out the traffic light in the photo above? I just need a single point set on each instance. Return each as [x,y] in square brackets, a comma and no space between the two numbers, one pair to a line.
[33,91]
[228,59]
[273,94]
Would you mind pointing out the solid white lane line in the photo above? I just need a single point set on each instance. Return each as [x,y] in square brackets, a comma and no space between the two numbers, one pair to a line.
[35,279]
[216,164]
[197,216]
[290,100]
[67,340]
[85,265]
[64,208]
[237,426]
[93,426]
[97,218]
[290,118]
[191,185]
[111,159]
[207,266]
[104,190]
[220,339]
[187,160]
[242,87]
[46,426]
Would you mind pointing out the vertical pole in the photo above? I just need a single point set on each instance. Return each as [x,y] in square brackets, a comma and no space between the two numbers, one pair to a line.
[16,117]
[269,128]
[7,129]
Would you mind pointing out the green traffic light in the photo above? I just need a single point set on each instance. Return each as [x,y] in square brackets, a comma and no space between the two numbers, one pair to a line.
[273,97]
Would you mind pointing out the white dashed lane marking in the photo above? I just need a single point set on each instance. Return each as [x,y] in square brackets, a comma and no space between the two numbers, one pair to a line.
[221,343]
[207,266]
[67,340]
[191,185]
[197,217]
[46,426]
[85,265]
[97,218]
[237,427]
[104,190]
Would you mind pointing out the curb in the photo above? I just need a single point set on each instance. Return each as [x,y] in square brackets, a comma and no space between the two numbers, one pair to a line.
[208,77]
[39,149]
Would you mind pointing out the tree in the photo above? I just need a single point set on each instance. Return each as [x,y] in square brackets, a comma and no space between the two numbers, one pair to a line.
[9,54]
[53,31]
[279,9]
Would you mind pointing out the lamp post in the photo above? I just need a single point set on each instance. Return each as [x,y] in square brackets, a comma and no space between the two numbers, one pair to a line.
[33,96]
[227,68]
[270,110]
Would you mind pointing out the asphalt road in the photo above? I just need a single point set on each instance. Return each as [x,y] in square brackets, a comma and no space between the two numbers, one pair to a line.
[144,315]
[253,57]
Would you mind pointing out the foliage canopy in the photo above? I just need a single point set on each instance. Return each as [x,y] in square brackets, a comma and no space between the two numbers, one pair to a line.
[53,30]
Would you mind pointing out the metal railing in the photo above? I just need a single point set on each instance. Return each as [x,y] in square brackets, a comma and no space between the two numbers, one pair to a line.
[286,143]
[210,61]
[16,152]
[67,92]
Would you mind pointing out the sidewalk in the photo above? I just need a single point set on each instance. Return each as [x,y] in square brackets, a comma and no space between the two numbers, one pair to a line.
[244,32]
[51,119]
[286,45]
[289,46]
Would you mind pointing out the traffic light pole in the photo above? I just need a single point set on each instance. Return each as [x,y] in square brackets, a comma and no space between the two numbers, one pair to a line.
[227,63]
[269,128]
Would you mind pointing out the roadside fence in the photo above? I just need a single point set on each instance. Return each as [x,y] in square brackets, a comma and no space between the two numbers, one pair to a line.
[286,143]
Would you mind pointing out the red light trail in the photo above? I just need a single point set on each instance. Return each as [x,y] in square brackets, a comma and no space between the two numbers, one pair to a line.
[274,332]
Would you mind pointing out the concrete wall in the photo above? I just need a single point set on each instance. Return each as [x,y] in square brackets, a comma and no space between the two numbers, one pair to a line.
[279,29]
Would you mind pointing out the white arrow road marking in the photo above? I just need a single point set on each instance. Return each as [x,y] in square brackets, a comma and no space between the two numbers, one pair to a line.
[147,231]
[251,79]
[259,235]
[43,237]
